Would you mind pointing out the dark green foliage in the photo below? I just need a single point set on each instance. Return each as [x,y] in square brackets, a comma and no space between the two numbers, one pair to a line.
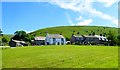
[112,38]
[0,31]
[104,27]
[98,30]
[100,34]
[5,39]
[67,39]
[93,33]
[78,32]
[104,34]
[20,35]
[118,40]
[89,34]
[23,36]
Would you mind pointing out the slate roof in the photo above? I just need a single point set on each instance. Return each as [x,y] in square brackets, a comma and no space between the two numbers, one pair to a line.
[90,36]
[55,36]
[85,36]
[95,36]
[77,35]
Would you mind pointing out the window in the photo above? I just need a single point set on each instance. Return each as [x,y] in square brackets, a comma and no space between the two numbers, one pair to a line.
[53,39]
[62,39]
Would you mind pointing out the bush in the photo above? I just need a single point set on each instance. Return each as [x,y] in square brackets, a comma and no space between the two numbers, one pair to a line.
[93,43]
[5,39]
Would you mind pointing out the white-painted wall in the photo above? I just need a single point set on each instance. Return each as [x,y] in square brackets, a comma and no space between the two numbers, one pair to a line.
[57,40]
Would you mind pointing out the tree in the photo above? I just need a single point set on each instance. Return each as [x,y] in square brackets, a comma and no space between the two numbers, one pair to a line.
[104,27]
[5,39]
[100,34]
[78,33]
[0,31]
[87,31]
[93,33]
[29,38]
[98,30]
[23,36]
[67,39]
[118,41]
[73,31]
[19,35]
[104,34]
[89,34]
[112,39]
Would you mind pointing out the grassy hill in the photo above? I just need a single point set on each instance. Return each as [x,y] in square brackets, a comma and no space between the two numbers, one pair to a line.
[68,30]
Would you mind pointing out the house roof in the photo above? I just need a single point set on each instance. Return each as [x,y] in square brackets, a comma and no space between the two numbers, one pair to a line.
[55,36]
[83,35]
[95,36]
[18,41]
[77,35]
[101,37]
[90,36]
[40,38]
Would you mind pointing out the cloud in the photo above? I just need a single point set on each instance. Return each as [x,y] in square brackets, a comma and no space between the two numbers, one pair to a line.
[115,21]
[79,18]
[86,6]
[28,31]
[69,19]
[85,22]
[108,3]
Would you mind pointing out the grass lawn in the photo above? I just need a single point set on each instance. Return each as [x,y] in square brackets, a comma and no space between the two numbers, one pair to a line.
[0,58]
[65,56]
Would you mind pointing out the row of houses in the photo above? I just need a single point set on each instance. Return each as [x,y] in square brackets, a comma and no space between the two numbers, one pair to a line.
[86,39]
[59,39]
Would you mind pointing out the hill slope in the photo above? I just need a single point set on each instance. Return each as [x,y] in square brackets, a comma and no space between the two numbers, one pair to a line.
[67,31]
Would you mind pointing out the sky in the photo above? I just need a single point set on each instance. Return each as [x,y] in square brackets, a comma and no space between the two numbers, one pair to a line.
[31,16]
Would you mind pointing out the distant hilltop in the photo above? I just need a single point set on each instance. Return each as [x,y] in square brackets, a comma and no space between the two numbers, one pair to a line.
[67,31]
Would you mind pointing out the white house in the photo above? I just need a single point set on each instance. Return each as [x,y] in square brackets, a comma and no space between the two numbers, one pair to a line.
[55,39]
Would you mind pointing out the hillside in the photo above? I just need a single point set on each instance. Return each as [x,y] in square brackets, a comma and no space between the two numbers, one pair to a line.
[67,31]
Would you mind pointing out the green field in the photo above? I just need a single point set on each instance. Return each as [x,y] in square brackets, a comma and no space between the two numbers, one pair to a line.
[66,56]
[0,58]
